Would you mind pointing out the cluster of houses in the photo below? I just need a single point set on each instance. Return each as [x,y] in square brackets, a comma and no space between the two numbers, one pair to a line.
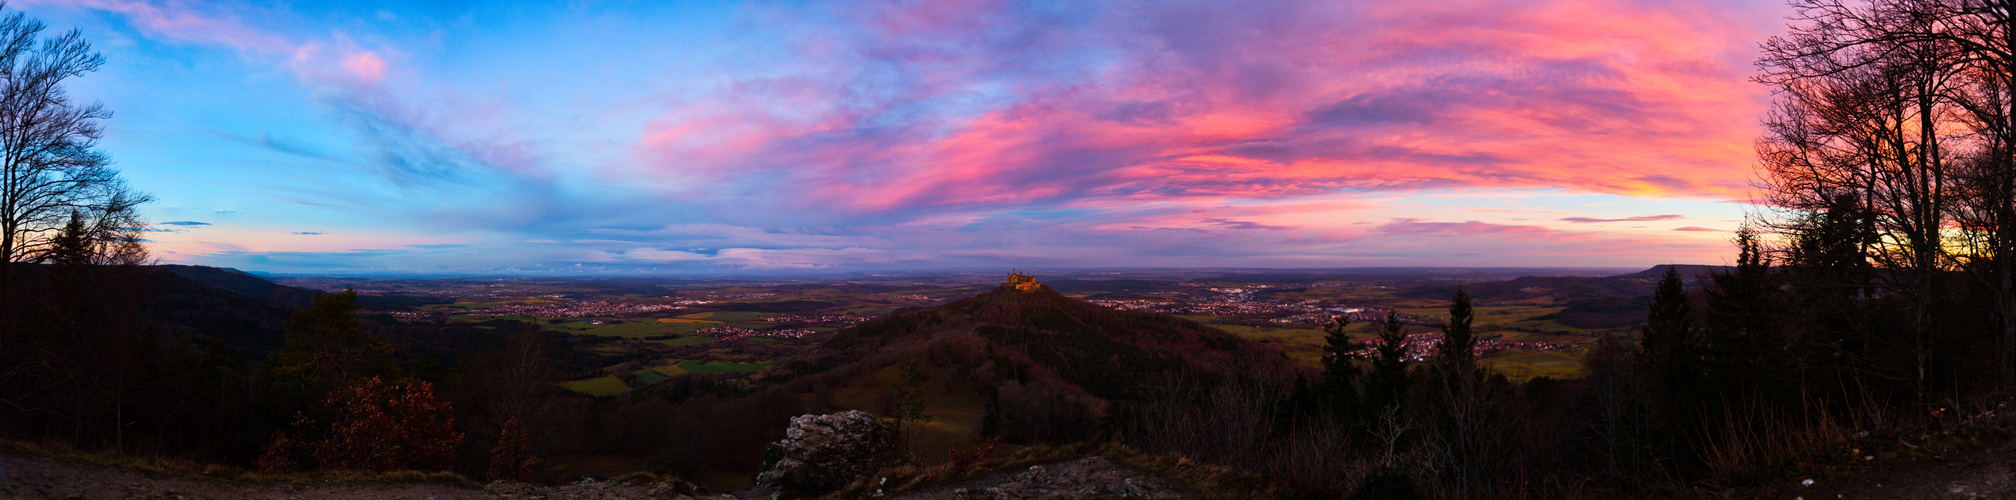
[1421,346]
[842,319]
[592,308]
[733,333]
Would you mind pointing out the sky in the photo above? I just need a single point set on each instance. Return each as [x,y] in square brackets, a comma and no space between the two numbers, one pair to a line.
[542,137]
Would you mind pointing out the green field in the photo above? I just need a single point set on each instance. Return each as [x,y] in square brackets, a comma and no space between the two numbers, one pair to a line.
[695,340]
[649,376]
[670,369]
[722,367]
[686,320]
[599,386]
[1522,364]
[634,329]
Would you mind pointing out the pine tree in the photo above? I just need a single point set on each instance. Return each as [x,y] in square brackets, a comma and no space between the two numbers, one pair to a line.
[1670,358]
[328,332]
[1458,352]
[1741,346]
[1388,382]
[1337,391]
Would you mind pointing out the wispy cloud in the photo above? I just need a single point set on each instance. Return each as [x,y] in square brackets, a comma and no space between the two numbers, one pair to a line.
[1643,218]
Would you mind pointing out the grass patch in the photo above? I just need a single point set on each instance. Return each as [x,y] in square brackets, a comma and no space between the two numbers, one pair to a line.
[669,369]
[695,340]
[723,367]
[687,320]
[632,330]
[650,376]
[740,316]
[1520,364]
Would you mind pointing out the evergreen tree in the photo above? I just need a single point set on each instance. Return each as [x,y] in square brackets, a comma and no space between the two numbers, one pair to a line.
[1388,382]
[1828,272]
[1458,352]
[1670,358]
[329,334]
[1741,345]
[1337,391]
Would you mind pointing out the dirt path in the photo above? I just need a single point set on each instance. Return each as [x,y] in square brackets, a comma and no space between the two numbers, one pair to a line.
[1988,472]
[25,477]
[36,477]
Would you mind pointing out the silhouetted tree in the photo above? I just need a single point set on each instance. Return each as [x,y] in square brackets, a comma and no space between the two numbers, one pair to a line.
[1336,392]
[910,406]
[329,333]
[49,160]
[1387,385]
[1458,351]
[1741,344]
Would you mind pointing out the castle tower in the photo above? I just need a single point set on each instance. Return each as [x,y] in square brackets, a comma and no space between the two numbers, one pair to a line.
[1021,281]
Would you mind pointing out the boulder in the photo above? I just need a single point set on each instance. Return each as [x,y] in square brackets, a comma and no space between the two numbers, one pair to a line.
[823,453]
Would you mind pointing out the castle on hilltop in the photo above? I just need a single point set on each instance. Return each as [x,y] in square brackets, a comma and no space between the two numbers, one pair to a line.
[1021,281]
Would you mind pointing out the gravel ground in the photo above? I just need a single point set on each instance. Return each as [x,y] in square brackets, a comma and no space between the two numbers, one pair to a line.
[1086,478]
[1988,472]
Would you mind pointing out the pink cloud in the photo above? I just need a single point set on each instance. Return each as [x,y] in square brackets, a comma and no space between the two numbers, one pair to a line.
[179,20]
[1646,218]
[330,61]
[367,67]
[1419,228]
[1207,103]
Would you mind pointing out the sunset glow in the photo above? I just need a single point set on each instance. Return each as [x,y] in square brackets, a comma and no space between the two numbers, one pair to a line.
[695,137]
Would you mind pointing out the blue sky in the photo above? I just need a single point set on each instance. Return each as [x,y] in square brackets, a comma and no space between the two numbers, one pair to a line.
[709,137]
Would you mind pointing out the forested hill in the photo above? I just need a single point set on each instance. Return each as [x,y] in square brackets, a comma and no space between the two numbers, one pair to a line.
[1572,288]
[243,310]
[1111,354]
[243,283]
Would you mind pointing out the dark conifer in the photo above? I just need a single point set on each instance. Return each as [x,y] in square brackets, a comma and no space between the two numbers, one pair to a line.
[329,333]
[1741,344]
[1458,352]
[1337,391]
[1388,383]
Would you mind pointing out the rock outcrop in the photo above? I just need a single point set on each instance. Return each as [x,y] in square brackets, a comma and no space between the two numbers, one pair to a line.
[823,453]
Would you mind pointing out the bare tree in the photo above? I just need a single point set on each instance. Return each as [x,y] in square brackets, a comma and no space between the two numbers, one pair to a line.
[50,167]
[1871,106]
